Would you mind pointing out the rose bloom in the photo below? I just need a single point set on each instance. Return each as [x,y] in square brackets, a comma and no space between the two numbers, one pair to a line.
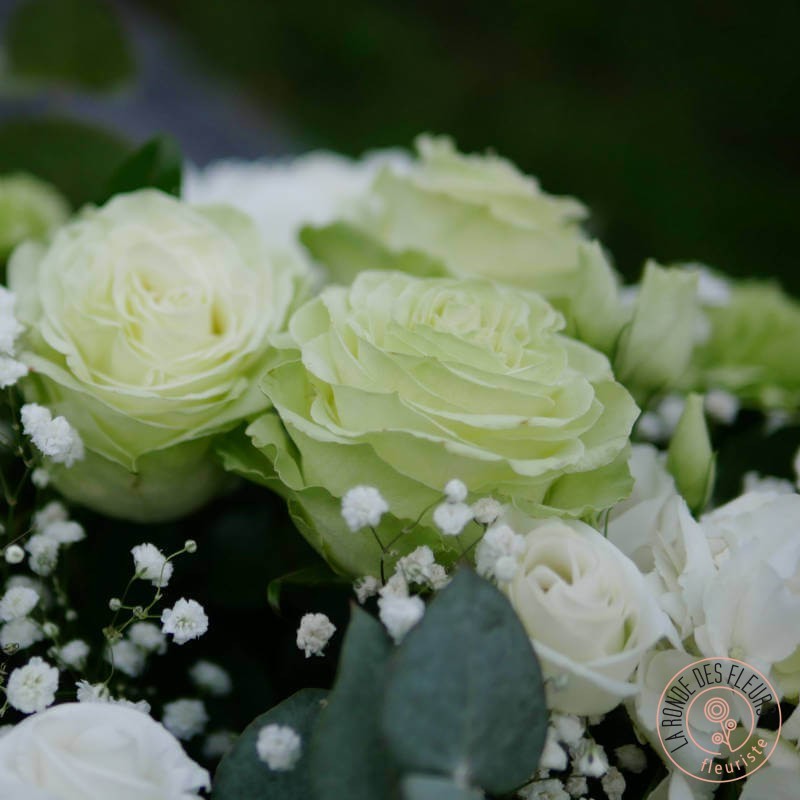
[588,611]
[401,383]
[148,325]
[95,751]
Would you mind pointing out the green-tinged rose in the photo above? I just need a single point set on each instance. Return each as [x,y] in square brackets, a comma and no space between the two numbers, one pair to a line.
[148,327]
[29,209]
[476,215]
[752,347]
[403,383]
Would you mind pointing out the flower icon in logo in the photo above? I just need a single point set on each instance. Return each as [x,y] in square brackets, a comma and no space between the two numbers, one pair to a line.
[717,710]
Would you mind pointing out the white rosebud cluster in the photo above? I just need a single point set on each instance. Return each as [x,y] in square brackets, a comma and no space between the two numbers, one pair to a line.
[363,507]
[279,747]
[314,633]
[54,437]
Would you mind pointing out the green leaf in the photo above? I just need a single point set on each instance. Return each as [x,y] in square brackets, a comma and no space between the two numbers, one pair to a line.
[78,42]
[346,251]
[76,158]
[690,459]
[241,774]
[157,163]
[348,754]
[316,575]
[465,698]
[425,787]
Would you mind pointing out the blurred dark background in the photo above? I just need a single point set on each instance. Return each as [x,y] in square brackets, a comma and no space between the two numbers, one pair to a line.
[677,123]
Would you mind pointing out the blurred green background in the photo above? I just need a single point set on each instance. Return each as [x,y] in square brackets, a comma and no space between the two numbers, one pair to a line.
[676,122]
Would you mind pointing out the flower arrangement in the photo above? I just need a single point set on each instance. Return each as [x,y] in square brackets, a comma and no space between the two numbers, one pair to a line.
[528,532]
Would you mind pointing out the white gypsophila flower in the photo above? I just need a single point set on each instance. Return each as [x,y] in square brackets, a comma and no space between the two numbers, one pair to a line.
[486,510]
[148,637]
[366,587]
[20,632]
[185,718]
[126,657]
[576,786]
[218,744]
[455,491]
[396,586]
[279,747]
[65,531]
[74,654]
[568,728]
[631,758]
[505,568]
[150,564]
[420,567]
[186,620]
[10,327]
[499,542]
[400,614]
[14,554]
[722,406]
[438,577]
[43,553]
[590,759]
[92,692]
[211,678]
[554,756]
[613,783]
[754,481]
[549,789]
[54,511]
[362,507]
[11,371]
[53,436]
[40,478]
[18,602]
[33,687]
[314,633]
[450,518]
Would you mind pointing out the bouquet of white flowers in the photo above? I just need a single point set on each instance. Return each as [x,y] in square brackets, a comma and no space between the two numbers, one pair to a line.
[384,453]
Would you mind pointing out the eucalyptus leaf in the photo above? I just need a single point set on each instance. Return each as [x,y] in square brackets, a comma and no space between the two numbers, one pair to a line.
[348,755]
[465,697]
[426,787]
[157,164]
[242,774]
[78,42]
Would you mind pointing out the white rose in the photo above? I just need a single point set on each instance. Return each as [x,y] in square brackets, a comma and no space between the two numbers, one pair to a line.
[589,613]
[149,323]
[95,751]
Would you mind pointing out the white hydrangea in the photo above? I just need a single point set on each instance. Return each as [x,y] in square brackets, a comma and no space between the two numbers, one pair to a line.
[362,507]
[126,657]
[20,632]
[450,518]
[11,371]
[499,547]
[18,602]
[74,654]
[150,564]
[186,620]
[33,687]
[148,637]
[185,718]
[53,436]
[314,633]
[279,747]
[211,678]
[40,478]
[486,510]
[366,587]
[43,551]
[455,491]
[400,614]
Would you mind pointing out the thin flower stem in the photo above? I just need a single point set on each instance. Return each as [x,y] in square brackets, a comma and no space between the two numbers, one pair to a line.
[383,554]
